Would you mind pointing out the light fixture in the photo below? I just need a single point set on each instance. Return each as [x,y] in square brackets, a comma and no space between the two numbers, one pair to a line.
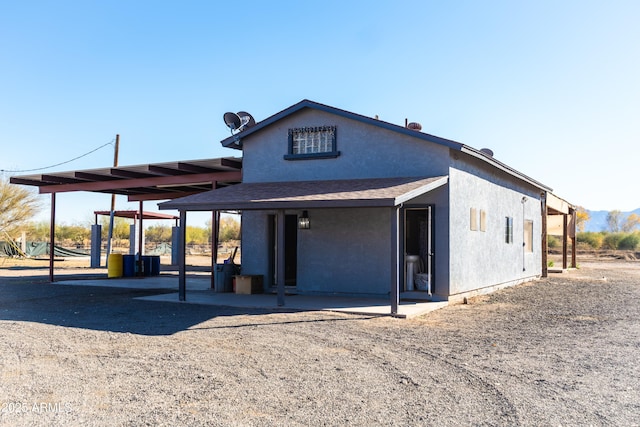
[303,221]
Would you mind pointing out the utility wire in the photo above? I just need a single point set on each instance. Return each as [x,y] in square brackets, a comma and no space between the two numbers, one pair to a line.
[59,164]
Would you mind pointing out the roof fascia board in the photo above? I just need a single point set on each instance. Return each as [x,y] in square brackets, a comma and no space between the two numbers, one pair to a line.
[497,164]
[421,190]
[269,205]
[235,141]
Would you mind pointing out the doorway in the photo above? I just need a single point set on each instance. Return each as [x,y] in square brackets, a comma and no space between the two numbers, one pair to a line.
[419,249]
[290,250]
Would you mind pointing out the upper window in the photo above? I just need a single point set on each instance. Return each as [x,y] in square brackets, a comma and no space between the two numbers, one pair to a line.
[312,143]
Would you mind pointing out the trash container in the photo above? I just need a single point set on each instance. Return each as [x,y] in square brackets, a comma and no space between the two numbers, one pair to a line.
[129,265]
[224,277]
[146,265]
[155,265]
[115,266]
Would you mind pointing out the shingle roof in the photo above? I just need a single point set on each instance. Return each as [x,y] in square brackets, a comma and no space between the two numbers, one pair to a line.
[378,192]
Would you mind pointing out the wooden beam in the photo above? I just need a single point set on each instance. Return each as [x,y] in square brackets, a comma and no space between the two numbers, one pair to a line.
[190,167]
[230,163]
[163,196]
[119,184]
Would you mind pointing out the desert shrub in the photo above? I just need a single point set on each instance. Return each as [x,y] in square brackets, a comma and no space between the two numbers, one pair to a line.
[629,242]
[594,240]
[553,242]
[612,240]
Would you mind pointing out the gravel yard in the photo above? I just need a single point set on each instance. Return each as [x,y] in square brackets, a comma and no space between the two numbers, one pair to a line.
[559,351]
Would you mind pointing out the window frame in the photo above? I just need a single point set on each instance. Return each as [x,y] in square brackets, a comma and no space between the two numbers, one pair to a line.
[508,230]
[319,155]
[528,236]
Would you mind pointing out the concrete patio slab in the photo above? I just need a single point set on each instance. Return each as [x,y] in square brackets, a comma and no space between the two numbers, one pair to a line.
[199,292]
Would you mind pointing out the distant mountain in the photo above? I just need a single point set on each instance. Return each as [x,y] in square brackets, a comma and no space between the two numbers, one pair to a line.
[598,220]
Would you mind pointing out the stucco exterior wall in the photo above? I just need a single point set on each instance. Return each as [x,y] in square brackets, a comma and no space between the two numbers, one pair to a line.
[483,259]
[346,251]
[366,152]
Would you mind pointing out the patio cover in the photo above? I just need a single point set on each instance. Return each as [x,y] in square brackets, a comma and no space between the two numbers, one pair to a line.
[348,193]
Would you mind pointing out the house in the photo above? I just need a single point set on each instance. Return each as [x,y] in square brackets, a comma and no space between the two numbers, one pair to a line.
[337,203]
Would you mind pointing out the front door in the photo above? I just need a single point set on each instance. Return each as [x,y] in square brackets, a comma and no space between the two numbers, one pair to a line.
[418,249]
[290,249]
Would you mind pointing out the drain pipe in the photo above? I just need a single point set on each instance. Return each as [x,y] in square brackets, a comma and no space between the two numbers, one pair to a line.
[524,200]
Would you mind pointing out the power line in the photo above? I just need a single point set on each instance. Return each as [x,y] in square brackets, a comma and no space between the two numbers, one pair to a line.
[58,164]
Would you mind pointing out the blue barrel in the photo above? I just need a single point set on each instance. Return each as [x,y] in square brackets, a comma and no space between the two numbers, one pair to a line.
[129,265]
[155,265]
[146,265]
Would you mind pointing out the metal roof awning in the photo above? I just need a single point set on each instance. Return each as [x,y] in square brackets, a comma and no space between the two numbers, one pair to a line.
[159,181]
[351,193]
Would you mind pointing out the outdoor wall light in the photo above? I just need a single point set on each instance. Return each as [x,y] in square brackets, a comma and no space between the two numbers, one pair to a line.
[303,221]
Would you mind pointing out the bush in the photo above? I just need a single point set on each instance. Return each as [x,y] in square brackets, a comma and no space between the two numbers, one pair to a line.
[553,242]
[612,240]
[630,241]
[594,240]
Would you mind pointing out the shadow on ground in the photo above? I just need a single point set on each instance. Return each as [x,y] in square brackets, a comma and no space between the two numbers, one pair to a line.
[106,308]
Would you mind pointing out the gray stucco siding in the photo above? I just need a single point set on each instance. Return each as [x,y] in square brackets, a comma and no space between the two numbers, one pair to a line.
[365,152]
[346,251]
[484,259]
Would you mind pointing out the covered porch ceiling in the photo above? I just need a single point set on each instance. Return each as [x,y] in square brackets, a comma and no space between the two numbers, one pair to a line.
[159,181]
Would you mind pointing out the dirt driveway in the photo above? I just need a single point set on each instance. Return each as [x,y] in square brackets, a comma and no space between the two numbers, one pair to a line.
[560,351]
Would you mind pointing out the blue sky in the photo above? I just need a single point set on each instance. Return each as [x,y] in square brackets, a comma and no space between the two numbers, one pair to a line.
[551,87]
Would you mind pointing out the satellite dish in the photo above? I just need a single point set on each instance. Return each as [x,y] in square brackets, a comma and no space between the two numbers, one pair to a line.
[233,121]
[487,151]
[247,119]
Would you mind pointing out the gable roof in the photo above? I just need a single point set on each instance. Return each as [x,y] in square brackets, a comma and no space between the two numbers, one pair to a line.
[235,141]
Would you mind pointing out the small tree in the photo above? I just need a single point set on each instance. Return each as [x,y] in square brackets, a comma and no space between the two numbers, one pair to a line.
[229,229]
[120,228]
[582,217]
[613,221]
[197,235]
[158,233]
[631,223]
[17,206]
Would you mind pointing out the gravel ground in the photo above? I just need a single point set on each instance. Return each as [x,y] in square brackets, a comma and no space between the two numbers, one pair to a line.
[561,351]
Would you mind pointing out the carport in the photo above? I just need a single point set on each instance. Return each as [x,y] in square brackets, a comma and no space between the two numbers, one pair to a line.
[140,183]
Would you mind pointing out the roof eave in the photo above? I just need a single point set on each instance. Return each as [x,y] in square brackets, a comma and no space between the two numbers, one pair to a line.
[235,141]
[499,165]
